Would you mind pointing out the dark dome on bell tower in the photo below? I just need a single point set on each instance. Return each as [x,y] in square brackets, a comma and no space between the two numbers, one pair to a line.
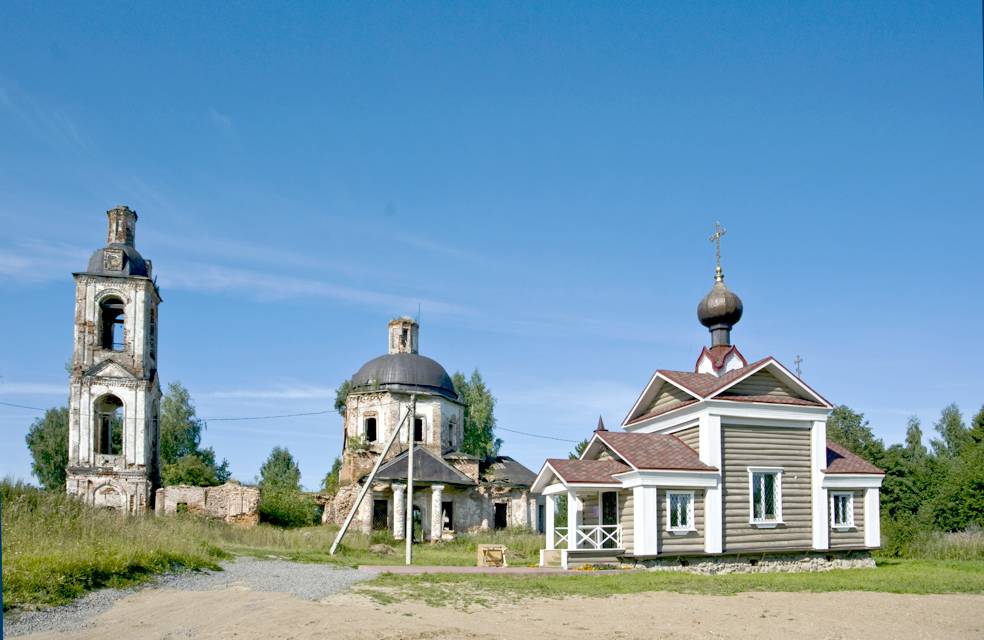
[721,308]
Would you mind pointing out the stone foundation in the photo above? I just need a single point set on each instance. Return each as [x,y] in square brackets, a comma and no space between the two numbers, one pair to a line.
[760,563]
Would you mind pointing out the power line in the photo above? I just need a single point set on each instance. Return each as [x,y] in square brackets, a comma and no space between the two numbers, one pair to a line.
[22,406]
[536,435]
[286,415]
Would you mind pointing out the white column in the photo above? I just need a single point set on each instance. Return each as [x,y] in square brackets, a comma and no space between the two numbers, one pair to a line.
[551,504]
[872,518]
[437,519]
[645,521]
[819,502]
[710,453]
[571,519]
[399,510]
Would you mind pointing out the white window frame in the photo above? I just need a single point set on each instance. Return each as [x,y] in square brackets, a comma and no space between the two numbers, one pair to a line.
[691,525]
[765,524]
[842,526]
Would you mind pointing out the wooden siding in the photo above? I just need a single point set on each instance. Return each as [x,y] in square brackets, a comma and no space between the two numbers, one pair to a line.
[677,543]
[668,394]
[788,448]
[690,436]
[853,539]
[762,383]
[626,515]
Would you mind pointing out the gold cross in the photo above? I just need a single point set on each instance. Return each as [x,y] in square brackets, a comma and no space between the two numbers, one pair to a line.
[719,232]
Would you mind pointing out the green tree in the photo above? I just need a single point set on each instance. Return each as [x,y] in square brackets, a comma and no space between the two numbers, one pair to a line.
[954,434]
[849,428]
[330,483]
[180,436]
[341,394]
[47,439]
[191,470]
[960,502]
[977,426]
[280,472]
[479,427]
[579,449]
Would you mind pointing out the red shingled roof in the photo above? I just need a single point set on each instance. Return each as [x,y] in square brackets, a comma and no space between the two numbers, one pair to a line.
[841,460]
[705,384]
[664,409]
[718,353]
[588,471]
[653,451]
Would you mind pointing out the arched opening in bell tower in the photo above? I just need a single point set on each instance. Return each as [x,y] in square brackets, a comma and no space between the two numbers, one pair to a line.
[112,316]
[109,425]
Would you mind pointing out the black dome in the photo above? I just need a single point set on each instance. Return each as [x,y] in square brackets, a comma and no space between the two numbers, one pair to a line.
[133,262]
[720,308]
[404,372]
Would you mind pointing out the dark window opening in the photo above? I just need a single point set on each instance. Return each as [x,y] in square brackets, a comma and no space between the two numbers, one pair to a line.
[109,415]
[541,517]
[500,515]
[380,519]
[403,338]
[182,507]
[418,524]
[447,515]
[418,429]
[370,429]
[111,318]
[152,335]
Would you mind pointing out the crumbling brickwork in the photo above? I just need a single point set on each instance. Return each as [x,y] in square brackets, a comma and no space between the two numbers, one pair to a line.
[231,502]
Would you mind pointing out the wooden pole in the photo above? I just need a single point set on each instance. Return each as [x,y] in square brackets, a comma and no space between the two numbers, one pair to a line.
[366,487]
[411,426]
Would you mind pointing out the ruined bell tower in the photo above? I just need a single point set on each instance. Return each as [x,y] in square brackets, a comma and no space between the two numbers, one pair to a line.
[114,401]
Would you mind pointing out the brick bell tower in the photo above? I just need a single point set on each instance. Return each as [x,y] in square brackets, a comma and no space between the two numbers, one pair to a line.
[114,401]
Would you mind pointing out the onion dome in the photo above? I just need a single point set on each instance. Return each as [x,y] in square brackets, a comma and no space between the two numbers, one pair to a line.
[719,311]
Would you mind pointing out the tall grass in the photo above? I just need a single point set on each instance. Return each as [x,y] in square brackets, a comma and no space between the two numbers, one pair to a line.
[55,548]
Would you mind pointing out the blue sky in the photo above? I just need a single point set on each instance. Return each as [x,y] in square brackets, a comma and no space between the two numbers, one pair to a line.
[541,178]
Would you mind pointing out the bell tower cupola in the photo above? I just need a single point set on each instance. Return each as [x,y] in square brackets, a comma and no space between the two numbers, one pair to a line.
[403,335]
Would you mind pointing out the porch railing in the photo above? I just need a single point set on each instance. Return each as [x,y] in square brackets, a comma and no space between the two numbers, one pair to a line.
[601,536]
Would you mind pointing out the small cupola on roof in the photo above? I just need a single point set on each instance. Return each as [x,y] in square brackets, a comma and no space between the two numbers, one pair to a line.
[120,256]
[719,311]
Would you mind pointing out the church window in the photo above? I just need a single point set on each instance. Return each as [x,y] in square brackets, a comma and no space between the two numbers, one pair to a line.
[109,423]
[842,510]
[418,429]
[765,496]
[447,515]
[370,429]
[679,511]
[152,335]
[111,319]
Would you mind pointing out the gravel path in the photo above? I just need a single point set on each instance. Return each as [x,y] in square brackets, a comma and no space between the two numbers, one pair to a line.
[306,581]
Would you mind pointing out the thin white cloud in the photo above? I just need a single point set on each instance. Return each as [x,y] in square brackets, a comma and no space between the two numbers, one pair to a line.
[220,120]
[303,392]
[271,287]
[32,388]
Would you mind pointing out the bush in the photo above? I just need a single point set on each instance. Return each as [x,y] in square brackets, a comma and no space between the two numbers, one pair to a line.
[287,508]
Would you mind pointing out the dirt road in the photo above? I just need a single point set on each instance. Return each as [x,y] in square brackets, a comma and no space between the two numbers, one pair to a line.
[238,612]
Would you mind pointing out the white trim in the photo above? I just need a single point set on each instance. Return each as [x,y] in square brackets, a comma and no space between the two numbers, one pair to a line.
[649,386]
[849,523]
[541,478]
[731,412]
[872,518]
[790,380]
[554,489]
[644,478]
[710,453]
[851,481]
[645,520]
[765,524]
[691,526]
[818,494]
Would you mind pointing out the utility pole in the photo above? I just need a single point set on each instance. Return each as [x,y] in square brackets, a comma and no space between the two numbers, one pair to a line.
[411,427]
[798,361]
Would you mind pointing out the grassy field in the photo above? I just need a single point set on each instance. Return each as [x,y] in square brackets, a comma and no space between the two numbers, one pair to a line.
[55,548]
[891,576]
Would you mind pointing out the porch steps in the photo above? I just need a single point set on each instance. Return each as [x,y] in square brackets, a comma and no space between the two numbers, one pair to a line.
[586,557]
[552,558]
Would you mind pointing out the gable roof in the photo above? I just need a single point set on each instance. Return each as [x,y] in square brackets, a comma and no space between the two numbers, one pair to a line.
[707,386]
[840,459]
[504,470]
[426,468]
[587,471]
[653,451]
